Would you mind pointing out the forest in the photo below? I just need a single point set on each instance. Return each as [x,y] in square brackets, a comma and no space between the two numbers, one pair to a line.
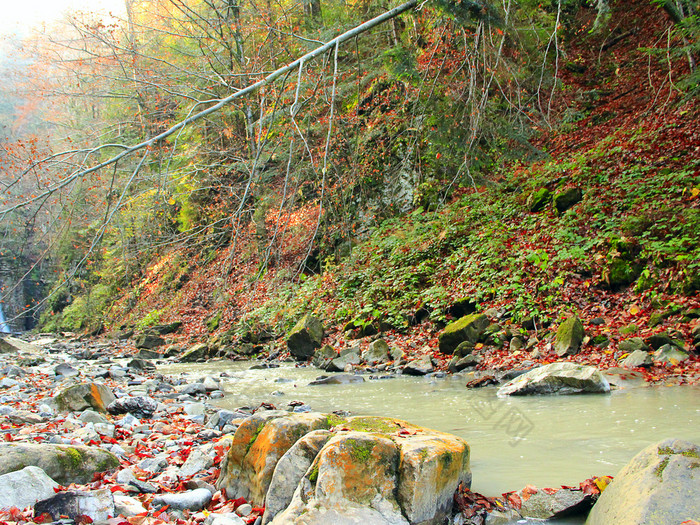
[425,188]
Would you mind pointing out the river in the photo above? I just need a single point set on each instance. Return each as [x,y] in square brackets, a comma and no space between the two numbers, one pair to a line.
[545,441]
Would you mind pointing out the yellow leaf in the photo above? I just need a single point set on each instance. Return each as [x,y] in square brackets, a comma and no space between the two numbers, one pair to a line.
[171,201]
[603,482]
[479,346]
[695,192]
[634,310]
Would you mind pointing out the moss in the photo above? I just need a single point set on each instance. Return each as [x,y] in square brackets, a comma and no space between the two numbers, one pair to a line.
[659,470]
[313,475]
[214,321]
[384,425]
[361,451]
[335,421]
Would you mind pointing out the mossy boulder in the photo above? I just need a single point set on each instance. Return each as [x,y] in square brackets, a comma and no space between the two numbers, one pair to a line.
[661,484]
[63,463]
[468,328]
[195,353]
[538,200]
[149,340]
[377,352]
[214,321]
[378,470]
[305,338]
[633,344]
[567,199]
[569,337]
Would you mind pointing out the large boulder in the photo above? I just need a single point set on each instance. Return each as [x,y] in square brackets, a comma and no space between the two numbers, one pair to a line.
[98,505]
[76,398]
[12,345]
[25,487]
[63,463]
[305,338]
[661,484]
[335,470]
[468,328]
[195,353]
[376,353]
[148,341]
[258,444]
[569,337]
[557,378]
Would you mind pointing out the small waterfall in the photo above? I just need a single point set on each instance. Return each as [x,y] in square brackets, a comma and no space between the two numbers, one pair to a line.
[4,327]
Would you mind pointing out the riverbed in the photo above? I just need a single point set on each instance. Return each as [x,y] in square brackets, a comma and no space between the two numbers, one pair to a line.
[546,441]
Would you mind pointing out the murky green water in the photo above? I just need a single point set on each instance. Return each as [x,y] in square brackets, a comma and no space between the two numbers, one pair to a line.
[544,440]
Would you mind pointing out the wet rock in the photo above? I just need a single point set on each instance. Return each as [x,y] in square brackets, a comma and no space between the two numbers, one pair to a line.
[210,384]
[148,354]
[165,329]
[669,354]
[544,505]
[192,389]
[290,470]
[138,406]
[468,328]
[195,500]
[305,338]
[84,396]
[661,484]
[258,444]
[636,359]
[323,356]
[338,379]
[140,365]
[63,463]
[569,337]
[419,367]
[376,353]
[96,504]
[557,378]
[25,487]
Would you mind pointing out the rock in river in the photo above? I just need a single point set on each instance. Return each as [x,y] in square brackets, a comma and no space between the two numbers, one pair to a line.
[305,338]
[557,378]
[659,485]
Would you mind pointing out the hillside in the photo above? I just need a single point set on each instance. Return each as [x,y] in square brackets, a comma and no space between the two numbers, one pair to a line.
[596,214]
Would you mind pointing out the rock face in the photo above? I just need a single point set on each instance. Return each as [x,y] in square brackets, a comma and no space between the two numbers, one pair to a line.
[377,470]
[81,397]
[25,487]
[661,484]
[569,337]
[468,328]
[557,378]
[305,338]
[63,463]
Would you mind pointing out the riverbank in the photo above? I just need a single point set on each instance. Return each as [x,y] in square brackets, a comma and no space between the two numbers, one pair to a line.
[195,406]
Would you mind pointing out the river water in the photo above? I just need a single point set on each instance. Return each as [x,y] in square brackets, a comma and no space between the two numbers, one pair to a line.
[546,441]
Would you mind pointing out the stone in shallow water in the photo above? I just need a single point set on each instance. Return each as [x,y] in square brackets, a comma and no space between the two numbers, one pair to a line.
[557,378]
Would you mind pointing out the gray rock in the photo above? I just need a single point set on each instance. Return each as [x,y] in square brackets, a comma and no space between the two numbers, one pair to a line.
[633,344]
[149,341]
[97,504]
[564,502]
[13,345]
[24,417]
[419,367]
[197,461]
[65,370]
[25,487]
[557,378]
[90,416]
[77,398]
[376,353]
[669,354]
[659,485]
[230,518]
[566,199]
[192,389]
[290,469]
[210,384]
[457,364]
[138,406]
[12,371]
[338,379]
[155,464]
[63,463]
[194,500]
[195,353]
[636,359]
[569,337]
[323,356]
[244,510]
[340,363]
[194,409]
[305,338]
